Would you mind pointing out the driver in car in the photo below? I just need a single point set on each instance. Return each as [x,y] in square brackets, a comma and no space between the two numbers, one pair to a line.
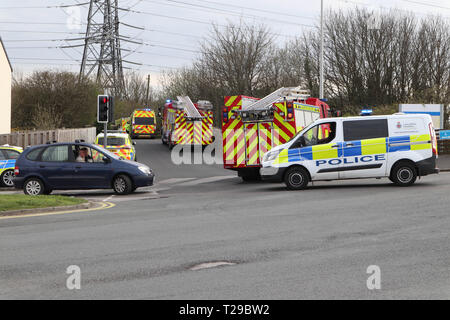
[83,156]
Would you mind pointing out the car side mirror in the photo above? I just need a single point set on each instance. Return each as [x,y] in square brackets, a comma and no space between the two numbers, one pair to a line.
[134,143]
[106,160]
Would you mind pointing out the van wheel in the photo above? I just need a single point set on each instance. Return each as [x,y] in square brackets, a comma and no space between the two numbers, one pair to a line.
[122,185]
[6,179]
[296,178]
[33,187]
[404,174]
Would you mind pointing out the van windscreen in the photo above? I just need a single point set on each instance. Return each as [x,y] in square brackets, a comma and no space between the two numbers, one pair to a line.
[144,121]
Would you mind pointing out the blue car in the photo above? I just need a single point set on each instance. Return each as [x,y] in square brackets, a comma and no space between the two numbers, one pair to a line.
[72,166]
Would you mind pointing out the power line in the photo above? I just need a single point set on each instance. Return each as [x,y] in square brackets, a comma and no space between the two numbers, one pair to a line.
[46,7]
[427,4]
[197,7]
[198,21]
[284,14]
[390,9]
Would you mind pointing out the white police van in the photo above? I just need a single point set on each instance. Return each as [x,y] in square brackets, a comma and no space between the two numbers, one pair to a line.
[400,147]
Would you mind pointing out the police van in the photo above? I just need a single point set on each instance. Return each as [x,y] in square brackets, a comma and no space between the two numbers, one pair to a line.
[400,147]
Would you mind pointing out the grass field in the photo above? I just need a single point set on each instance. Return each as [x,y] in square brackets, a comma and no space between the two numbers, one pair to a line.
[21,201]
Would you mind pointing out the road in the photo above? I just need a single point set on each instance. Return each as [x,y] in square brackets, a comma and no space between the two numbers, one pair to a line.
[279,244]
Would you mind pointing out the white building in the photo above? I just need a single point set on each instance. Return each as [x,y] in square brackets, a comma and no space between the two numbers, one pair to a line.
[5,90]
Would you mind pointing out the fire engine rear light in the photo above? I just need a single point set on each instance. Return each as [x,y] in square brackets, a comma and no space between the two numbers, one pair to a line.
[16,170]
[433,139]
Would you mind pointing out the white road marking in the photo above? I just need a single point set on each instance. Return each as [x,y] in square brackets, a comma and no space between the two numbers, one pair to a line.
[109,198]
[209,265]
[176,180]
[206,180]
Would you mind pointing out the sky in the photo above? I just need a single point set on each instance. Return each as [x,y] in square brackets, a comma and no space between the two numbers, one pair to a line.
[34,30]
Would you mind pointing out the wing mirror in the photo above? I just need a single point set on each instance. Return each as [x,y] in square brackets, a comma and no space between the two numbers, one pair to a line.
[106,160]
[134,143]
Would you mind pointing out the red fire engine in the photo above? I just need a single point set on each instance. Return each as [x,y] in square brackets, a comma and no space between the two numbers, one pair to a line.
[186,123]
[251,126]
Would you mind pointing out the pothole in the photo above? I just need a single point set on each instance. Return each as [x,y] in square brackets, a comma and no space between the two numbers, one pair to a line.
[209,265]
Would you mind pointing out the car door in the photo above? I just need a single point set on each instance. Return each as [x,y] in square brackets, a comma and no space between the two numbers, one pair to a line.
[364,148]
[94,172]
[55,167]
[320,150]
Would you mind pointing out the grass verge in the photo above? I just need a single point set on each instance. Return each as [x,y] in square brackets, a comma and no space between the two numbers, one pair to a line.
[21,201]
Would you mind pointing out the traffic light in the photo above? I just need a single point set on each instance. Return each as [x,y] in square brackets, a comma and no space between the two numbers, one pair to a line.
[103,109]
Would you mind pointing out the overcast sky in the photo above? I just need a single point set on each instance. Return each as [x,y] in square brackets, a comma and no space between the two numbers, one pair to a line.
[173,27]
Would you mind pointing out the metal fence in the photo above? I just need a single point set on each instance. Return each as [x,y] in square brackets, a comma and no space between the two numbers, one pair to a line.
[32,138]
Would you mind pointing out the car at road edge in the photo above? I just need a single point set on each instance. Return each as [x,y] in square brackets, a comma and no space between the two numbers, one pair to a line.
[57,166]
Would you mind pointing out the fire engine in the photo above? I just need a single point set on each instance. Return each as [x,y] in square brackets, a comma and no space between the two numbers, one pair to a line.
[251,126]
[186,123]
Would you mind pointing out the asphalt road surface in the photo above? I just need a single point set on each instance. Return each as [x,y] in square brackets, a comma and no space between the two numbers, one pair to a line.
[278,244]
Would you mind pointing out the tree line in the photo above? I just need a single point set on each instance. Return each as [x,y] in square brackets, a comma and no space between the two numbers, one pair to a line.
[370,60]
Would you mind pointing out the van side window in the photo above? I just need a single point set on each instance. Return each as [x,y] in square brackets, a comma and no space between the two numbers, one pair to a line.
[365,129]
[321,134]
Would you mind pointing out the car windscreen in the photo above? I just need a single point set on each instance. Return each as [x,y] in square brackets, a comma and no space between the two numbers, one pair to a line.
[144,121]
[112,141]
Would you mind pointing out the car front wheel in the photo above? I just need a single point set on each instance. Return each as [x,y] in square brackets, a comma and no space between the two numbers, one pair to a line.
[122,185]
[33,187]
[6,178]
[296,178]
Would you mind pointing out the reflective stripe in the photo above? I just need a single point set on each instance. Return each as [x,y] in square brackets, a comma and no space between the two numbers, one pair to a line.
[357,148]
[420,142]
[373,146]
[324,151]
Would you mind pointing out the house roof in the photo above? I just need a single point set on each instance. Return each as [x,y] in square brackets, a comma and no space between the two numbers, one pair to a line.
[6,53]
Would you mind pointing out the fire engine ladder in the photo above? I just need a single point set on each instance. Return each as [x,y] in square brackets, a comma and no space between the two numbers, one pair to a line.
[288,93]
[189,108]
[266,103]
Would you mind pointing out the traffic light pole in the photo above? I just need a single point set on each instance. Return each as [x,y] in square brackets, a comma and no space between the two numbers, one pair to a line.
[105,131]
[105,135]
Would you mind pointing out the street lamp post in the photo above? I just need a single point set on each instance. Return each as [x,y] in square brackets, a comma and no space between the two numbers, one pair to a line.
[321,93]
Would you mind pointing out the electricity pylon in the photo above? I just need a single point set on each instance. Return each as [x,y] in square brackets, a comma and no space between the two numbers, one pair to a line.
[102,52]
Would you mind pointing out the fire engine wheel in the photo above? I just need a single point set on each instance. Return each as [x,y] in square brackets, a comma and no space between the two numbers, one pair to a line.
[6,179]
[404,174]
[296,178]
[122,185]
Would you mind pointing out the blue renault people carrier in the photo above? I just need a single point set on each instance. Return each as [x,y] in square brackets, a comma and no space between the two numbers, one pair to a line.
[71,166]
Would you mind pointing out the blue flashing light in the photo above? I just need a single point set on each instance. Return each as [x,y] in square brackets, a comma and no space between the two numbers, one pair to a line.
[168,101]
[366,112]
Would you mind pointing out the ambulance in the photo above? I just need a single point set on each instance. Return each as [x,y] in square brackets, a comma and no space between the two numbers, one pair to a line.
[143,123]
[400,147]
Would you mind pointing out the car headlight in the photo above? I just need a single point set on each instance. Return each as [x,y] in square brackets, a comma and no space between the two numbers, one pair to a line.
[145,170]
[271,155]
